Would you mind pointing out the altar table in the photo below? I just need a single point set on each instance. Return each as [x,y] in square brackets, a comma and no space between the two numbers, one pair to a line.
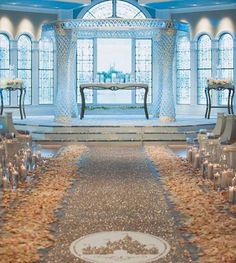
[113,87]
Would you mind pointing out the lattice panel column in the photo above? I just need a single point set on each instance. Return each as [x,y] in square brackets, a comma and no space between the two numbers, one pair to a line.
[157,77]
[66,105]
[166,49]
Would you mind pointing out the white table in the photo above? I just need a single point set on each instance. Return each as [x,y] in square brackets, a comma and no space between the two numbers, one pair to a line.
[113,87]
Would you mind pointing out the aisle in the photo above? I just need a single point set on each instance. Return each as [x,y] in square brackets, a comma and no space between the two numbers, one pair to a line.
[116,190]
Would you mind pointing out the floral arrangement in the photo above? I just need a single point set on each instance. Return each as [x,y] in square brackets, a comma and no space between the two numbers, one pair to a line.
[5,83]
[212,81]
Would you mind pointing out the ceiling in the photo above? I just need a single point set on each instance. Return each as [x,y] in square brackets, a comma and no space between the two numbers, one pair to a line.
[72,4]
[176,4]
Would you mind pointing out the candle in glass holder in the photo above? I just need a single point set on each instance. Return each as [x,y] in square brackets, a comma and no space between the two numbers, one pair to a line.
[230,175]
[224,179]
[16,160]
[210,171]
[194,153]
[196,163]
[234,181]
[1,176]
[5,179]
[232,194]
[34,161]
[204,168]
[189,155]
[14,178]
[22,171]
[217,181]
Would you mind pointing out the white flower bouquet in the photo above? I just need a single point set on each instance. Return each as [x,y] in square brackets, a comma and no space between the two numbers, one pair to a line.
[212,81]
[6,83]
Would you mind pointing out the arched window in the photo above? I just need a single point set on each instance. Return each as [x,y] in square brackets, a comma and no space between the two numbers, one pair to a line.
[46,66]
[204,66]
[183,71]
[5,62]
[118,9]
[24,65]
[226,67]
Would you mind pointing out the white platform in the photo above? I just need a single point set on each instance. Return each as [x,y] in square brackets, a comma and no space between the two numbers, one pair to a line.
[112,128]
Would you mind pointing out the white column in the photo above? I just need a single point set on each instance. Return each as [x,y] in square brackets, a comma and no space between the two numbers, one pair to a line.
[66,105]
[157,71]
[167,47]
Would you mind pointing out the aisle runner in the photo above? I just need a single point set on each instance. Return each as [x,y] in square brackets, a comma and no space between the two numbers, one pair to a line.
[116,212]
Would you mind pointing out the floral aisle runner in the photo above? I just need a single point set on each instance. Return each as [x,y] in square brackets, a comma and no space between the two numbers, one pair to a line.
[210,218]
[30,210]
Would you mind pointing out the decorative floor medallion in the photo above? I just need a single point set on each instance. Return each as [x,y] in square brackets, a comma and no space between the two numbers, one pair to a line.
[119,246]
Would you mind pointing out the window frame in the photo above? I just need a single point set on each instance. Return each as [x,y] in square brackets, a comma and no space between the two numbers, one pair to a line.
[31,64]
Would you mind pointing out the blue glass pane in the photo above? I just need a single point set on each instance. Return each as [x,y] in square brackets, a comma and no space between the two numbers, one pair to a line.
[85,67]
[46,71]
[183,71]
[204,66]
[105,10]
[225,68]
[127,10]
[99,11]
[143,67]
[24,63]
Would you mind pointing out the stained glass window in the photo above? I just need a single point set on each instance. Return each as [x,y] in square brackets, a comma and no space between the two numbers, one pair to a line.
[25,65]
[225,68]
[204,66]
[126,10]
[85,67]
[143,67]
[183,71]
[106,10]
[5,63]
[46,80]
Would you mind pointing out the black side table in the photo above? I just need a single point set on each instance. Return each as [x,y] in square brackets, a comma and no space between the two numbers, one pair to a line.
[219,87]
[21,104]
